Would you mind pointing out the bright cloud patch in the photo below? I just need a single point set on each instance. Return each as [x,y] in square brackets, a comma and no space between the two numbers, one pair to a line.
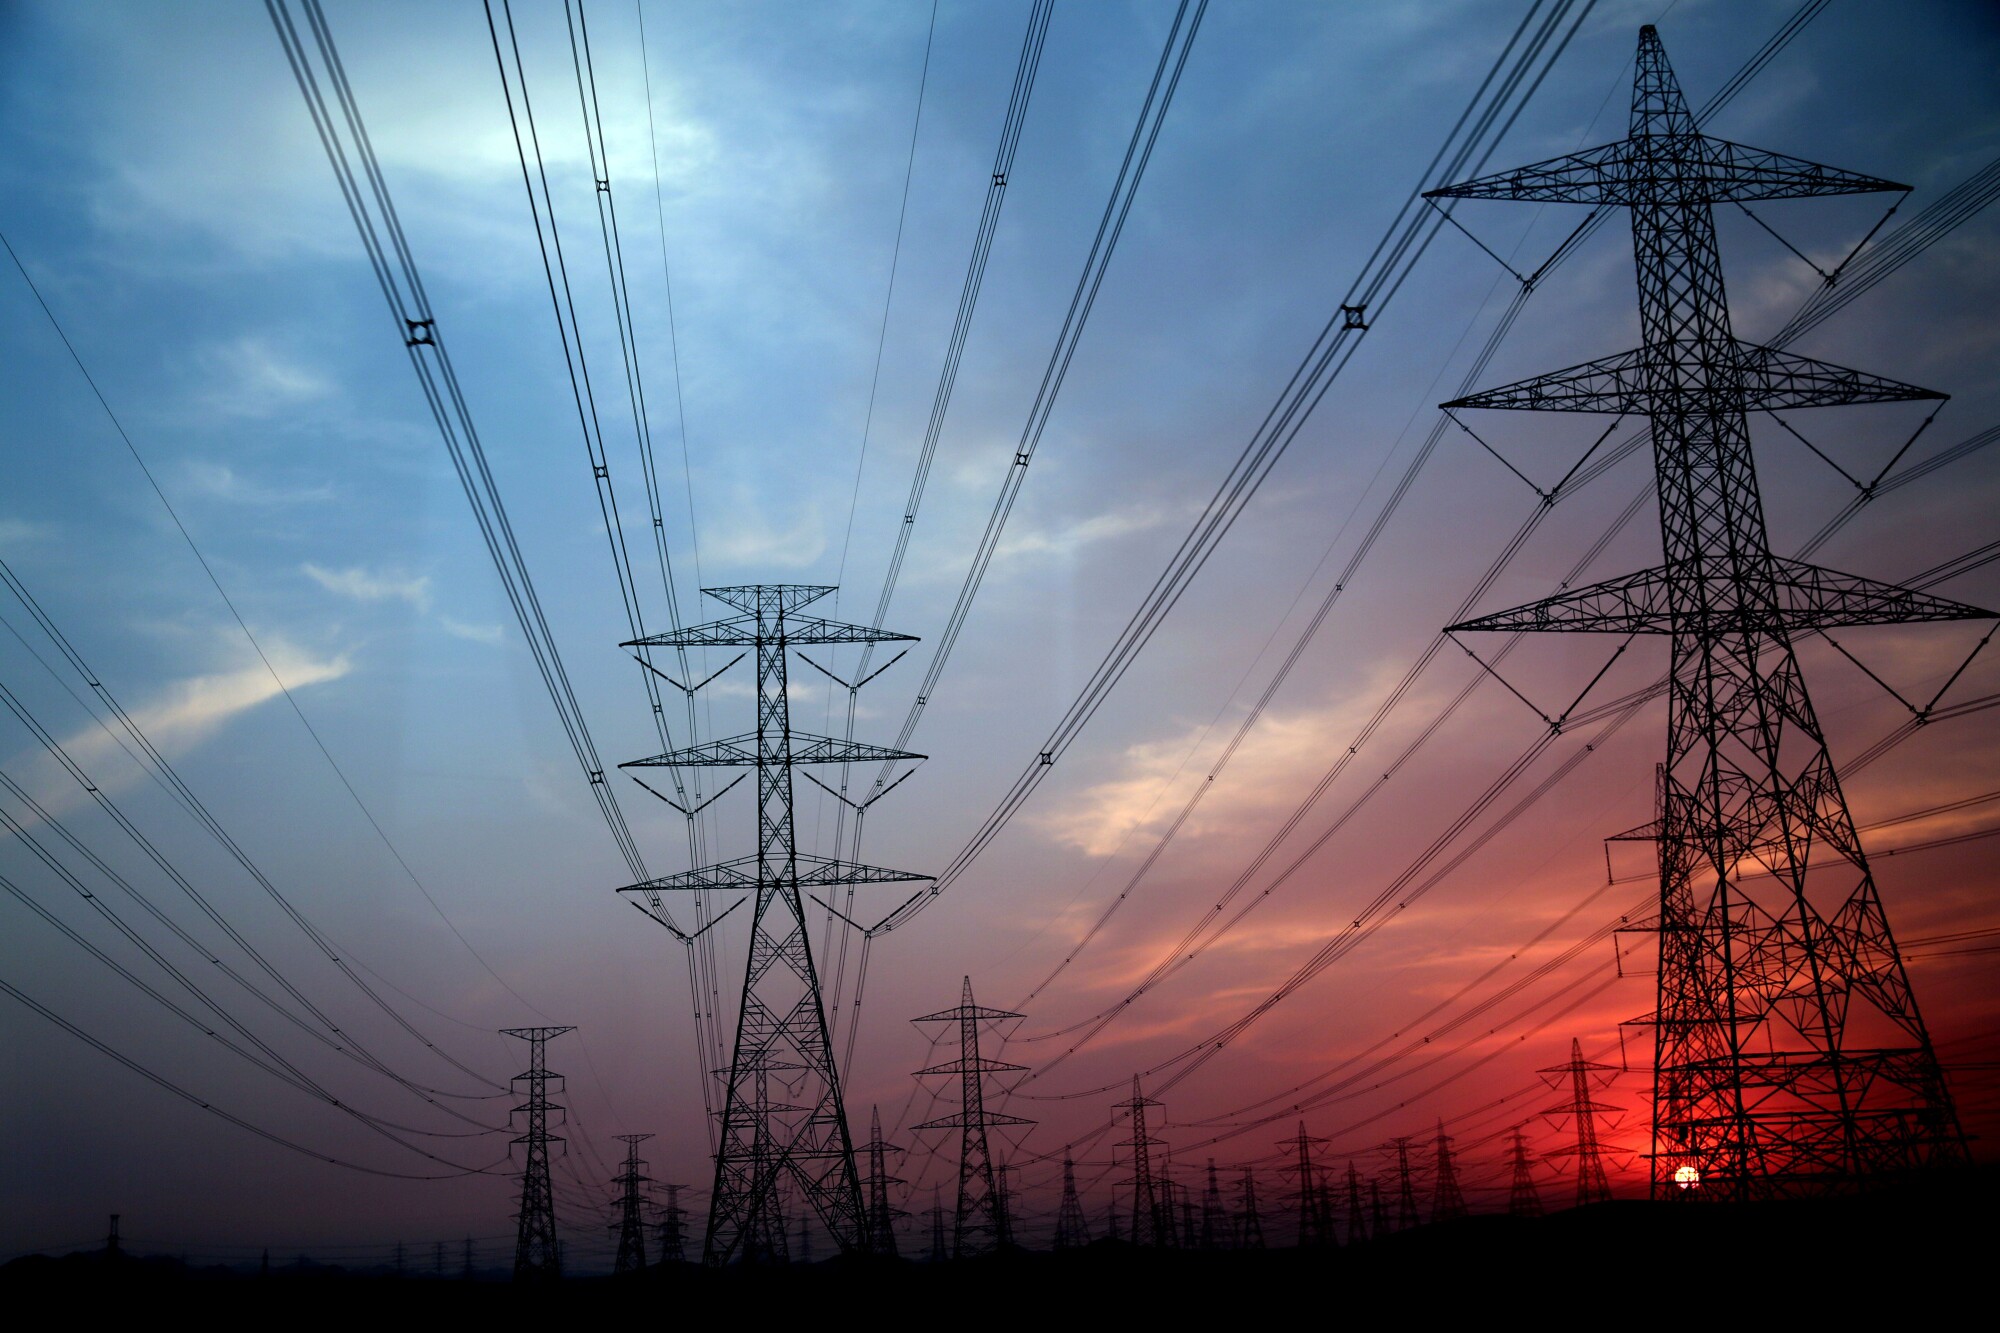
[363,586]
[251,378]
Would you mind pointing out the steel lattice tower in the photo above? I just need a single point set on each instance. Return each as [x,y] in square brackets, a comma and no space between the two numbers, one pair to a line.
[938,1252]
[881,1217]
[1523,1199]
[1212,1221]
[1357,1221]
[1315,1217]
[673,1229]
[1406,1189]
[1250,1226]
[781,1026]
[1791,1056]
[1378,1211]
[1447,1200]
[1072,1228]
[1592,1185]
[1152,1214]
[979,1223]
[631,1226]
[537,1249]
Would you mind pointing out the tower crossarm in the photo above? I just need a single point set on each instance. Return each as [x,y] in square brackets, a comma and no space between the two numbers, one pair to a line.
[964,1011]
[958,1120]
[971,1065]
[792,631]
[1628,172]
[741,873]
[1768,378]
[797,747]
[1801,598]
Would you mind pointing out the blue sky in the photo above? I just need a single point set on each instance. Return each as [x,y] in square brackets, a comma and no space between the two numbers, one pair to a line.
[163,187]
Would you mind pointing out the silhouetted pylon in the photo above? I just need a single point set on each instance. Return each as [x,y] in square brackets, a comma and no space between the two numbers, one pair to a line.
[1250,1222]
[938,1252]
[1072,1228]
[537,1248]
[1003,1205]
[1406,1189]
[673,1229]
[1315,1217]
[1378,1210]
[1152,1212]
[1523,1199]
[1357,1221]
[1448,1200]
[977,1226]
[881,1217]
[1213,1225]
[781,1022]
[1791,1056]
[1592,1185]
[631,1226]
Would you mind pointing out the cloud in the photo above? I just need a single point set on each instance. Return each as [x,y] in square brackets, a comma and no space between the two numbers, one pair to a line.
[219,481]
[362,586]
[491,635]
[21,532]
[250,378]
[742,535]
[1069,540]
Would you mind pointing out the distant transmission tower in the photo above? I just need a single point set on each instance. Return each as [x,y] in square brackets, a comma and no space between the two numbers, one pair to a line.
[1448,1200]
[631,1226]
[1592,1186]
[881,1217]
[1406,1190]
[781,1025]
[1152,1210]
[1315,1217]
[1378,1210]
[537,1251]
[1250,1224]
[673,1229]
[938,1252]
[1072,1228]
[1357,1221]
[1214,1225]
[1003,1206]
[1523,1199]
[1791,1057]
[977,1224]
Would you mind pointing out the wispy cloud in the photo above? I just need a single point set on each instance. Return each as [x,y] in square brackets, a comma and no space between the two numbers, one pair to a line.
[745,536]
[1069,540]
[21,532]
[250,378]
[491,635]
[219,481]
[363,586]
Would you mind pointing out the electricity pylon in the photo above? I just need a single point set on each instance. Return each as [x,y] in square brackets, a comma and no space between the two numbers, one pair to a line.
[1592,1185]
[881,1217]
[1523,1199]
[1213,1223]
[781,1025]
[978,1225]
[1250,1225]
[1406,1189]
[1791,1057]
[1315,1216]
[1072,1228]
[631,1226]
[1003,1206]
[938,1251]
[537,1248]
[673,1229]
[1378,1211]
[1152,1212]
[1447,1200]
[1357,1221]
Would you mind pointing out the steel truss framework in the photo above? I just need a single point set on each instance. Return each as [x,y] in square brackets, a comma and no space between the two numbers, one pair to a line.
[631,1224]
[781,1024]
[979,1223]
[537,1248]
[1791,1057]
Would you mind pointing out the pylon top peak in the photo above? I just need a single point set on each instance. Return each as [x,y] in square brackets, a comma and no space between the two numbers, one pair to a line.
[770,598]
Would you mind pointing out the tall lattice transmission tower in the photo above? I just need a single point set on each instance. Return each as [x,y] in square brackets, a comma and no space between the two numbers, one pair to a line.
[1357,1221]
[1523,1199]
[881,1217]
[1152,1208]
[979,1223]
[1249,1221]
[1592,1185]
[1315,1209]
[1406,1185]
[1072,1227]
[673,1229]
[631,1226]
[1447,1199]
[537,1248]
[1791,1057]
[781,1023]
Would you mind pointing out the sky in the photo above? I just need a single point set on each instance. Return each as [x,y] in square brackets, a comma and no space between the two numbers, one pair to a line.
[164,190]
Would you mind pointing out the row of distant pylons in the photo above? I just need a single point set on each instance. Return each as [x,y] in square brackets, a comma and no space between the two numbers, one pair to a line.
[1790,1055]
